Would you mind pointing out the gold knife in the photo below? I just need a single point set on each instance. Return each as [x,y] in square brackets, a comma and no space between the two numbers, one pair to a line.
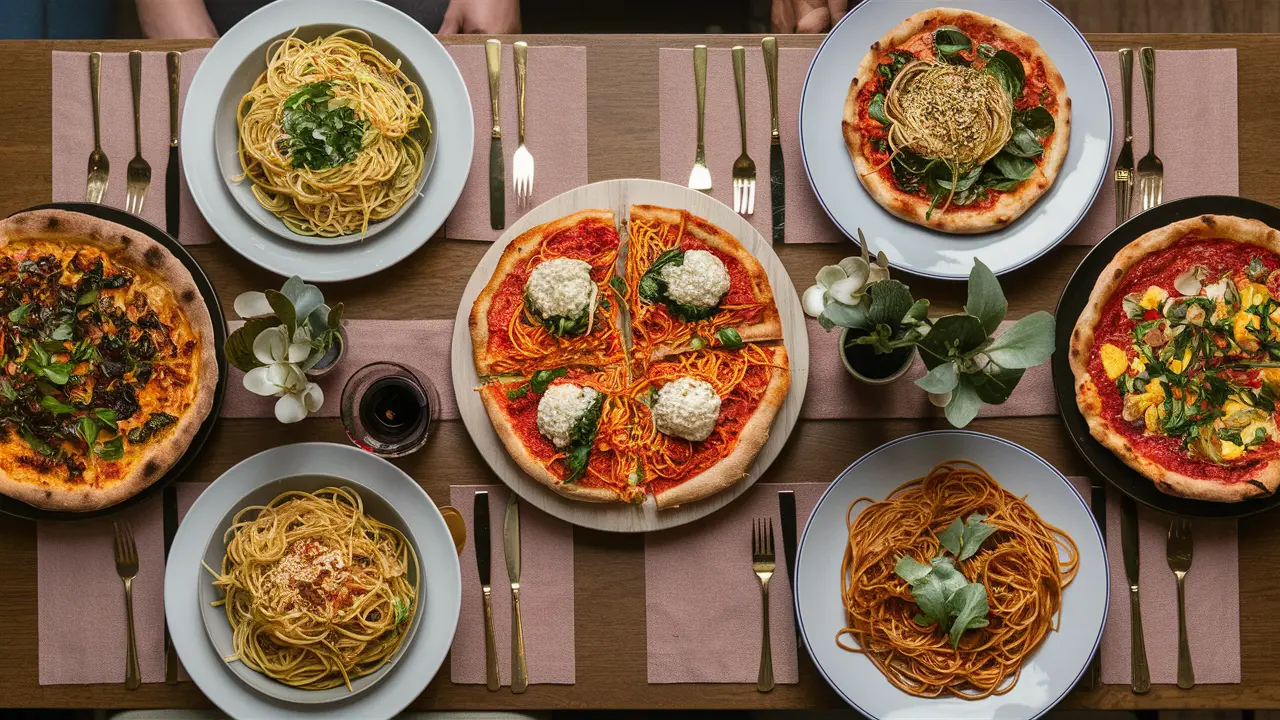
[1141,682]
[511,548]
[497,175]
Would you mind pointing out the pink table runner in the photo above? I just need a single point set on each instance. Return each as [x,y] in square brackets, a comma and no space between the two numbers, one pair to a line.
[555,131]
[1196,162]
[73,132]
[81,598]
[546,594]
[702,601]
[422,344]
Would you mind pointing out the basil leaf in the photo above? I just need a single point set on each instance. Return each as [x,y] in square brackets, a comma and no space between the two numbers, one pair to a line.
[55,406]
[618,286]
[576,462]
[969,606]
[729,338]
[876,110]
[20,313]
[402,610]
[1038,120]
[1008,69]
[931,598]
[36,443]
[62,332]
[950,577]
[697,343]
[106,416]
[1023,143]
[57,373]
[112,449]
[541,379]
[949,40]
[319,134]
[898,59]
[87,298]
[145,431]
[7,389]
[519,392]
[87,428]
[1013,167]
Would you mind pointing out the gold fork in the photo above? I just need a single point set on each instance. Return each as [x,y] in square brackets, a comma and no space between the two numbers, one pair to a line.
[1180,548]
[744,168]
[1150,169]
[99,166]
[522,161]
[127,567]
[138,172]
[700,176]
[762,563]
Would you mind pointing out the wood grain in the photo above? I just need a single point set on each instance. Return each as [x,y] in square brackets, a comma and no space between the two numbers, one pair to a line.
[622,82]
[619,196]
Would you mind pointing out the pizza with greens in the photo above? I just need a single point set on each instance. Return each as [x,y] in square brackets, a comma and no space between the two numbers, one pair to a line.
[1177,358]
[957,121]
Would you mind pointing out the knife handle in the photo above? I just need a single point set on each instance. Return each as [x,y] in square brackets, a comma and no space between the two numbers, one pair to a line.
[490,645]
[519,671]
[95,81]
[1141,682]
[493,62]
[521,56]
[740,84]
[770,47]
[135,80]
[1126,89]
[1149,86]
[700,87]
[174,62]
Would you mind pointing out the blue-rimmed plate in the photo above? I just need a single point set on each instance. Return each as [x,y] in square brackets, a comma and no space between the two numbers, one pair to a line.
[918,249]
[1047,674]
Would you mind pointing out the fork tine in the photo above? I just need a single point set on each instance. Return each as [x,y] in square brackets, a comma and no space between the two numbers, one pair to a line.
[751,197]
[737,197]
[769,551]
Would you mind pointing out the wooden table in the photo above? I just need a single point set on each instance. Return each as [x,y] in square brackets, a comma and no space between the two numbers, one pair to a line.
[622,117]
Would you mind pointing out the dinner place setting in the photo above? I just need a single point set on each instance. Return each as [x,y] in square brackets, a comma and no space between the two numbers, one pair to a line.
[349,370]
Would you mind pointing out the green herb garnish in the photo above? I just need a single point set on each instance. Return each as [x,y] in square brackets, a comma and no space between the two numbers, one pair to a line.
[941,591]
[322,131]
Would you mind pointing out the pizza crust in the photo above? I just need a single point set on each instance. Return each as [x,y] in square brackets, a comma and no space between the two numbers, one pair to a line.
[734,466]
[1009,206]
[520,248]
[140,253]
[1266,479]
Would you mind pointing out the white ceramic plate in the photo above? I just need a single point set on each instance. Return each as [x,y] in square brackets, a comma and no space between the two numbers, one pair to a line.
[915,248]
[205,117]
[439,604]
[215,618]
[619,196]
[226,134]
[1047,675]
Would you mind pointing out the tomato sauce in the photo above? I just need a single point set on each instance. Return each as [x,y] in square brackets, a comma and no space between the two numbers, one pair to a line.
[1160,269]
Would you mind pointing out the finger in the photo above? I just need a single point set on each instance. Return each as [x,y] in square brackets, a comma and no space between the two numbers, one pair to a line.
[452,23]
[838,9]
[782,17]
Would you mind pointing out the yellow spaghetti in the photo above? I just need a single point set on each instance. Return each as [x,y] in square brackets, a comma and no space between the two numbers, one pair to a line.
[327,135]
[316,591]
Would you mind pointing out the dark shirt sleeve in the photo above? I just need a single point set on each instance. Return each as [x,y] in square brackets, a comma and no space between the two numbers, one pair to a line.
[226,13]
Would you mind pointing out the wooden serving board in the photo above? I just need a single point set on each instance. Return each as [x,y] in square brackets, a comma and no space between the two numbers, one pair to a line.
[620,195]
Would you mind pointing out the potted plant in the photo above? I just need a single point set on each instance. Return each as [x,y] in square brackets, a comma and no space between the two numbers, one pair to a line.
[289,337]
[968,364]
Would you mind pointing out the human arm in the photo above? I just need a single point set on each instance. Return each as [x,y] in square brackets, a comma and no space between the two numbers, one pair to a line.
[491,17]
[175,19]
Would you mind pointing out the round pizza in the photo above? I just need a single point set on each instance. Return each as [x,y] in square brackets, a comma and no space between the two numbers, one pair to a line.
[1177,358]
[957,121]
[108,361]
[684,414]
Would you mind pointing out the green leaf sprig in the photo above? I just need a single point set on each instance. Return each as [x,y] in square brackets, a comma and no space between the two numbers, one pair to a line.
[653,289]
[321,131]
[943,594]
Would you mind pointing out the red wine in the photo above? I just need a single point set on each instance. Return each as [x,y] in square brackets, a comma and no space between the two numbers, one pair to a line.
[393,410]
[388,408]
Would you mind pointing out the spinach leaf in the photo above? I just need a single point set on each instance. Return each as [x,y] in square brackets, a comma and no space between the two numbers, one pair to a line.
[1013,167]
[876,110]
[1008,69]
[583,431]
[576,462]
[87,428]
[320,133]
[106,417]
[949,40]
[1038,120]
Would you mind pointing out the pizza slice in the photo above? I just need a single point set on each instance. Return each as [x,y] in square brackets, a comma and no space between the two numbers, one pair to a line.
[702,416]
[569,429]
[551,302]
[691,285]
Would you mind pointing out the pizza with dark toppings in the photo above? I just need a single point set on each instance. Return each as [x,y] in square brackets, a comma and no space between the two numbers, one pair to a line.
[109,368]
[680,417]
[957,121]
[1177,358]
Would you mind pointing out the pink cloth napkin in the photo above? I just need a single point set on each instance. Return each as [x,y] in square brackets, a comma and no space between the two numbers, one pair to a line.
[421,344]
[555,131]
[1213,600]
[546,594]
[1196,161]
[81,598]
[833,393]
[703,601]
[73,132]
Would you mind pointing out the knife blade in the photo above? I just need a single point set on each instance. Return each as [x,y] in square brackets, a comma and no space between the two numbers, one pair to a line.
[1141,679]
[777,177]
[511,547]
[171,196]
[170,509]
[497,175]
[480,518]
[787,513]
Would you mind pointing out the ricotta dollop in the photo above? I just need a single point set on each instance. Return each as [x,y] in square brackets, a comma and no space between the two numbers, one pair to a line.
[686,408]
[560,407]
[701,280]
[561,287]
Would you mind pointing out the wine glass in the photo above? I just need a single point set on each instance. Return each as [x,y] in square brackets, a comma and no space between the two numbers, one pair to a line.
[389,408]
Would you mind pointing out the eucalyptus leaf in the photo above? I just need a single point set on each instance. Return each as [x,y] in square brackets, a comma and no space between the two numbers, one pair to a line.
[850,316]
[1027,344]
[964,404]
[986,300]
[283,308]
[941,379]
[305,298]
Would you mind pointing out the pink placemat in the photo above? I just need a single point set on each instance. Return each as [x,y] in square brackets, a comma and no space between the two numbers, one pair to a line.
[1213,601]
[555,131]
[546,594]
[81,598]
[1196,162]
[73,132]
[422,344]
[703,601]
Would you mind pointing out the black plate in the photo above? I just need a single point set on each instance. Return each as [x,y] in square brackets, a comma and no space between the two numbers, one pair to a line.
[1074,299]
[10,506]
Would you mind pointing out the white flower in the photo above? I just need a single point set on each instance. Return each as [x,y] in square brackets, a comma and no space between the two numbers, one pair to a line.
[252,304]
[280,375]
[845,283]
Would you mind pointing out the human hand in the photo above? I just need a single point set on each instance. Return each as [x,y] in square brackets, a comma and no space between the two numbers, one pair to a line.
[488,17]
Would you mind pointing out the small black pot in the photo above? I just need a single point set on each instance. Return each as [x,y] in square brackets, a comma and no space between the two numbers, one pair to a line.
[864,364]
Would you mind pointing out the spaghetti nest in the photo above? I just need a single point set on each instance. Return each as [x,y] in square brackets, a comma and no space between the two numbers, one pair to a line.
[356,110]
[958,114]
[1024,566]
[317,593]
